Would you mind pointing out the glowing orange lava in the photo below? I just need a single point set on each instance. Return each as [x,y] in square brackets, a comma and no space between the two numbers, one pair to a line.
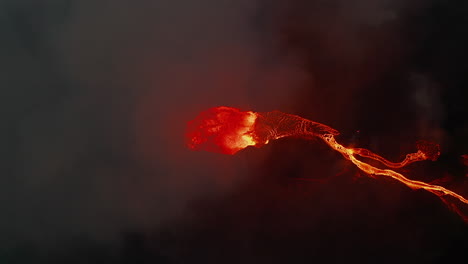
[228,130]
[222,129]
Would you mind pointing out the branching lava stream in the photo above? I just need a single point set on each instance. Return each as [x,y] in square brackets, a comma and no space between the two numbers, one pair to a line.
[228,130]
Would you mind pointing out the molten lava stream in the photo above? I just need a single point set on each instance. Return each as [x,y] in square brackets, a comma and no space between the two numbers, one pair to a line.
[228,130]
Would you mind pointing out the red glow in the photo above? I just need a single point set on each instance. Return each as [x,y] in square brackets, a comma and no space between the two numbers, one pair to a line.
[465,159]
[221,129]
[228,130]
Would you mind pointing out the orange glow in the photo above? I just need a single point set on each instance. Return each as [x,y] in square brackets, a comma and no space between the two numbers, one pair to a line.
[435,189]
[228,130]
[222,129]
[426,151]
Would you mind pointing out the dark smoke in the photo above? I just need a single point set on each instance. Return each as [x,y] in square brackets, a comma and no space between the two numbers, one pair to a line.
[95,100]
[95,96]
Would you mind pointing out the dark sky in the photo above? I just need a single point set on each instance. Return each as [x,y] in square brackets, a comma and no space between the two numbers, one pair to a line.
[95,97]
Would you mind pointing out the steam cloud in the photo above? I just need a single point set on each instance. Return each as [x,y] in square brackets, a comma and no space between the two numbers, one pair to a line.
[95,96]
[95,99]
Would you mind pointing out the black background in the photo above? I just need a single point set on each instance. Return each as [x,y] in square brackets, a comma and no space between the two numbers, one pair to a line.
[95,96]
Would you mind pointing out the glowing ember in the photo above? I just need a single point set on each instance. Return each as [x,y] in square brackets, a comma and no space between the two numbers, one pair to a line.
[228,130]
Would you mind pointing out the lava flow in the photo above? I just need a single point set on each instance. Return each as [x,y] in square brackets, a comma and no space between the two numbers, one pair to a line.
[228,130]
